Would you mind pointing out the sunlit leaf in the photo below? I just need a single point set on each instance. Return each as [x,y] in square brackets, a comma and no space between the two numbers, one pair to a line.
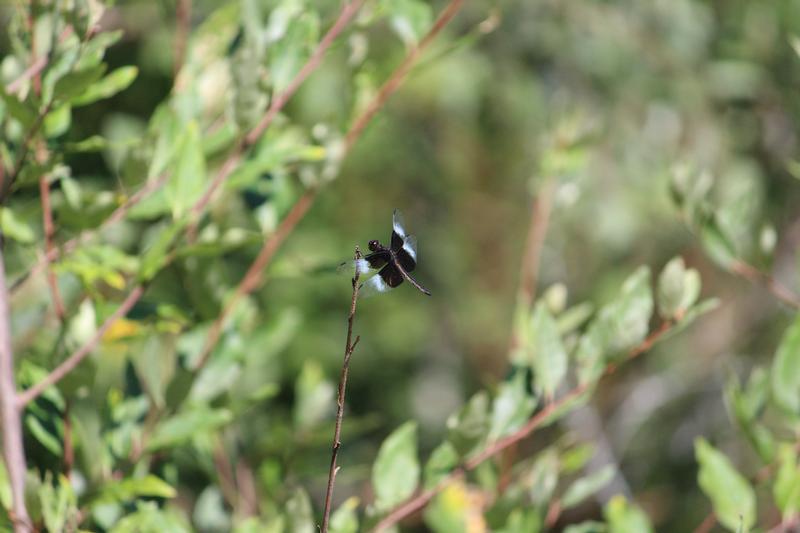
[511,407]
[107,87]
[786,370]
[731,495]
[623,517]
[549,356]
[183,426]
[786,488]
[396,472]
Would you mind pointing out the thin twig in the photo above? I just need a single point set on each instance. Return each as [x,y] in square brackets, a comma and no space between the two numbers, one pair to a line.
[49,231]
[34,69]
[707,524]
[755,275]
[400,73]
[13,447]
[26,396]
[183,18]
[531,258]
[349,346]
[419,501]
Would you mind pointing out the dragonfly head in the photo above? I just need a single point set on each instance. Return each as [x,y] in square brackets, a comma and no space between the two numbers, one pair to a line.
[374,246]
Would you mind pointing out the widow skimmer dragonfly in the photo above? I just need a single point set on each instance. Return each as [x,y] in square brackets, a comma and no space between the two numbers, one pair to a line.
[393,264]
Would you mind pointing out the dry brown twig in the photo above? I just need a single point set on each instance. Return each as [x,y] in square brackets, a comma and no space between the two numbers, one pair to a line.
[349,346]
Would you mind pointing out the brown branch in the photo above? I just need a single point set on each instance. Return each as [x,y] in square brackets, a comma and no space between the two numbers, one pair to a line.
[400,73]
[348,11]
[49,231]
[755,275]
[13,447]
[349,346]
[33,70]
[707,524]
[26,396]
[540,219]
[183,19]
[419,501]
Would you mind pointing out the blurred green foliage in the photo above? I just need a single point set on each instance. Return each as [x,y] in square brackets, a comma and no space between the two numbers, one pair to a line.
[663,135]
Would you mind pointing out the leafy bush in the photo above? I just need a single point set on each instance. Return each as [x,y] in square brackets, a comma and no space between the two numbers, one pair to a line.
[179,180]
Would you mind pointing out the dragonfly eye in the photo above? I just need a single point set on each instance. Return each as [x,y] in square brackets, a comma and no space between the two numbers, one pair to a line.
[373,246]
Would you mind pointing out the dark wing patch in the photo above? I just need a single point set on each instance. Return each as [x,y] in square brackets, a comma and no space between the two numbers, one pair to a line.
[377,260]
[397,241]
[391,276]
[405,259]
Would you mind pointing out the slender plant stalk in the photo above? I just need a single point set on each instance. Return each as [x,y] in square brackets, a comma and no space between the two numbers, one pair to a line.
[349,346]
[13,448]
[49,231]
[183,20]
[778,290]
[419,501]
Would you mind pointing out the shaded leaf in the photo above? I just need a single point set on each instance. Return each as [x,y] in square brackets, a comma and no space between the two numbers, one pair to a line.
[549,358]
[183,426]
[511,407]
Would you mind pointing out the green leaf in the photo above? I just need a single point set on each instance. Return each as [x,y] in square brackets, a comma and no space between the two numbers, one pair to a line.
[396,471]
[468,428]
[288,54]
[15,228]
[717,245]
[731,495]
[590,526]
[586,486]
[5,487]
[746,406]
[185,425]
[345,519]
[24,112]
[209,512]
[442,461]
[58,503]
[57,121]
[95,143]
[314,396]
[107,87]
[549,358]
[678,289]
[511,407]
[410,19]
[45,438]
[544,476]
[156,255]
[625,518]
[75,83]
[619,326]
[186,183]
[786,489]
[132,488]
[786,370]
[148,517]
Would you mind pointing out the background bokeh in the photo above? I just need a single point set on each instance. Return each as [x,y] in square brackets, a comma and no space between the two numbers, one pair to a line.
[600,99]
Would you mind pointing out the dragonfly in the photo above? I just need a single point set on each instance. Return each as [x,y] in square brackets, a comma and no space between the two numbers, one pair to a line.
[389,265]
